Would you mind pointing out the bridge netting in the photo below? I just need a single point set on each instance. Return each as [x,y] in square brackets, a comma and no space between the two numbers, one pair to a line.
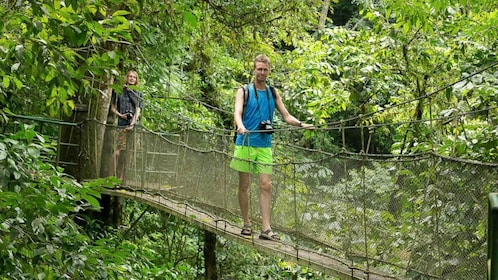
[418,216]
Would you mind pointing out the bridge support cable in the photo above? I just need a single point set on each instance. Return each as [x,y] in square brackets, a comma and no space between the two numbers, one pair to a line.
[134,223]
[363,152]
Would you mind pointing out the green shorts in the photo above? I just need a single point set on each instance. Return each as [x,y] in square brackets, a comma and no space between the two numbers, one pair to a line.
[252,160]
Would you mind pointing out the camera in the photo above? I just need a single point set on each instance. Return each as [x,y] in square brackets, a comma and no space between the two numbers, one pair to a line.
[265,126]
[129,115]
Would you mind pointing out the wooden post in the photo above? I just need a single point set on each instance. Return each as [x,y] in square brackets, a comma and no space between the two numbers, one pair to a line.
[493,236]
[210,255]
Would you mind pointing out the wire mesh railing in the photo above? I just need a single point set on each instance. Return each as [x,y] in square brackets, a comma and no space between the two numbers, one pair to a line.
[417,216]
[420,216]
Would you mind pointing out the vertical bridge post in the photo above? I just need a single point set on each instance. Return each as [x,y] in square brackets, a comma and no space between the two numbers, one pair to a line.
[493,236]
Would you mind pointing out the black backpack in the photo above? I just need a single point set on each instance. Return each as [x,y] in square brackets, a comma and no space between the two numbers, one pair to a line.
[245,88]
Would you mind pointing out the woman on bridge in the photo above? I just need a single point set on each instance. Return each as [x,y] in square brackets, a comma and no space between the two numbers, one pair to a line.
[126,106]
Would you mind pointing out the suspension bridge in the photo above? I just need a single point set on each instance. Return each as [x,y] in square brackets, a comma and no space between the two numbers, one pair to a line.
[351,215]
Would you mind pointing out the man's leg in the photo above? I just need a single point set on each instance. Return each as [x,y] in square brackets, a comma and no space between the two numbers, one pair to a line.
[265,200]
[244,196]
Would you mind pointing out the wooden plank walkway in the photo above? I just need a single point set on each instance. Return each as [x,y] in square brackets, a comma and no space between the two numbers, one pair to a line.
[327,264]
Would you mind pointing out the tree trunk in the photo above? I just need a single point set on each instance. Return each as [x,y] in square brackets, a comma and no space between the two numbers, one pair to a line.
[117,211]
[210,255]
[323,14]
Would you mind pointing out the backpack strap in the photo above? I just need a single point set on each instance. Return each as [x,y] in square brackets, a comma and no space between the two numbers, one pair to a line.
[246,96]
[272,89]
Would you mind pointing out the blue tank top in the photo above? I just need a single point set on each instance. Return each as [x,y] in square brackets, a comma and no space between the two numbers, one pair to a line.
[258,108]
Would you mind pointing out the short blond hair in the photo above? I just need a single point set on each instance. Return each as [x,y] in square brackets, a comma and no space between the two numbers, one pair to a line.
[261,58]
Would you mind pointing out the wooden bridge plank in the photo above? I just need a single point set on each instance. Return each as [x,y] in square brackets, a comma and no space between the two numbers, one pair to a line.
[303,256]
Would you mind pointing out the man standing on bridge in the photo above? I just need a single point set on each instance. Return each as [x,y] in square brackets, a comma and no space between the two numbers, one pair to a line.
[253,116]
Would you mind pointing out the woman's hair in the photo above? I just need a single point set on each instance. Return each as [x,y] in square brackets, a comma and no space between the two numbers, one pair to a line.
[128,74]
[262,58]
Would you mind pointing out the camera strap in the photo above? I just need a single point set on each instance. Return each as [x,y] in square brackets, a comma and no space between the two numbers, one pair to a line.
[131,98]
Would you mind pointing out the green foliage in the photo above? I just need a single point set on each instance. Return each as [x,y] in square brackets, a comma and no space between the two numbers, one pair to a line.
[40,206]
[193,55]
[430,48]
[56,55]
[419,68]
